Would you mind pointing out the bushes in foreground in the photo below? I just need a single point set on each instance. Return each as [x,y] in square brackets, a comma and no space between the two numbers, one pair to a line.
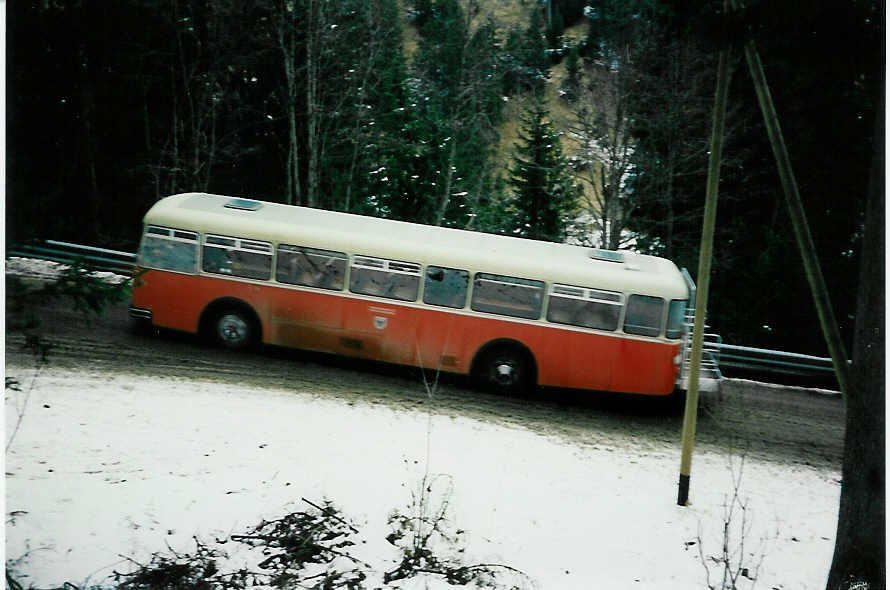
[318,549]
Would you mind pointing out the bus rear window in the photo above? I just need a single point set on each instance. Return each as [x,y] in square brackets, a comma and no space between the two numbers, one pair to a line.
[588,308]
[384,278]
[446,287]
[510,296]
[676,319]
[238,258]
[168,249]
[311,267]
[644,315]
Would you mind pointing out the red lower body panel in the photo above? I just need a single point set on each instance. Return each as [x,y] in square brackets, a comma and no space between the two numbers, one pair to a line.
[414,334]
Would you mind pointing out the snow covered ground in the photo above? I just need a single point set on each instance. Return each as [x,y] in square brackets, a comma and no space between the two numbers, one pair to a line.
[44,269]
[107,465]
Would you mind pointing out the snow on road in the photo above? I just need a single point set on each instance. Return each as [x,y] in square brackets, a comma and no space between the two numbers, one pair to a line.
[108,465]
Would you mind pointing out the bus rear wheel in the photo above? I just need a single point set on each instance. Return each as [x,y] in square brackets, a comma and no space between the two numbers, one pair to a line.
[506,369]
[234,329]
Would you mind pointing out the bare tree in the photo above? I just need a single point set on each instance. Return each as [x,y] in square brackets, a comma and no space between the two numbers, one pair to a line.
[285,19]
[204,109]
[315,19]
[735,560]
[457,75]
[672,103]
[330,52]
[601,130]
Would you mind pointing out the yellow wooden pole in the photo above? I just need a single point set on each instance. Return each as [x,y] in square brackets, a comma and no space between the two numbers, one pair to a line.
[704,272]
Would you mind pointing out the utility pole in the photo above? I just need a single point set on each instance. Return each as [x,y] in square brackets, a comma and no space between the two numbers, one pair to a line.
[802,234]
[704,272]
[827,320]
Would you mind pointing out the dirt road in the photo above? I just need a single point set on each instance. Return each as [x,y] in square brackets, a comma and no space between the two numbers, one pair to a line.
[783,424]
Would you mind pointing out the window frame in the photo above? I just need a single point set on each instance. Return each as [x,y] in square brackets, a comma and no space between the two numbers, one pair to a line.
[521,282]
[644,330]
[670,331]
[174,235]
[447,269]
[385,265]
[587,295]
[310,251]
[246,245]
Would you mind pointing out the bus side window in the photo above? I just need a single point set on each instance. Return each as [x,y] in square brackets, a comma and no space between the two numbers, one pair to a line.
[237,258]
[168,249]
[644,315]
[311,267]
[446,287]
[385,278]
[588,308]
[511,296]
[676,319]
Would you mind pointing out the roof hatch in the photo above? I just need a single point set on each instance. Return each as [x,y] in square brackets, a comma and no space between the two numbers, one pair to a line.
[243,204]
[607,255]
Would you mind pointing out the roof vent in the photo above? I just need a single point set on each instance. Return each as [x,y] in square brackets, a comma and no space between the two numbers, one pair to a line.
[607,255]
[243,204]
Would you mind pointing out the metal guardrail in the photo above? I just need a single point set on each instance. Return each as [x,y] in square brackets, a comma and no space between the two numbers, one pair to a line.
[773,361]
[716,354]
[67,253]
[709,369]
[719,358]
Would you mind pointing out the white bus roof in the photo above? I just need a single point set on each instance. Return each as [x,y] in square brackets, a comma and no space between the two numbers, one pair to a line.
[411,242]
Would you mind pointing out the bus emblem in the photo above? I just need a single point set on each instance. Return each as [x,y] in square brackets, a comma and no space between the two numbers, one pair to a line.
[380,323]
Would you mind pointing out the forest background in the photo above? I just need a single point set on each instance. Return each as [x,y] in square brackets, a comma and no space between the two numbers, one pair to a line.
[585,121]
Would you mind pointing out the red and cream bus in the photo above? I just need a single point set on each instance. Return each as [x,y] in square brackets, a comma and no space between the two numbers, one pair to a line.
[510,311]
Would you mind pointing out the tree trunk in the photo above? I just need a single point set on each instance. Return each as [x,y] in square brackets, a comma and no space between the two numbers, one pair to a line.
[860,544]
[286,44]
[312,115]
[449,175]
[669,206]
[605,204]
[88,109]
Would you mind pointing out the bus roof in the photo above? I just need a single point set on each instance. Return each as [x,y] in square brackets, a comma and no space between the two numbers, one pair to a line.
[412,242]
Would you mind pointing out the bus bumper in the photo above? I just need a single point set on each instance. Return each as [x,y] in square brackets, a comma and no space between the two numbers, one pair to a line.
[138,313]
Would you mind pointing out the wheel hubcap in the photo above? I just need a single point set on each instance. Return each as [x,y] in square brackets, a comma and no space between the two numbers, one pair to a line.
[504,372]
[233,329]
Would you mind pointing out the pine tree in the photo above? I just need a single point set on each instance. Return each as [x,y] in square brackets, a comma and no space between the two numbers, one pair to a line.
[573,74]
[526,63]
[544,191]
[555,28]
[534,51]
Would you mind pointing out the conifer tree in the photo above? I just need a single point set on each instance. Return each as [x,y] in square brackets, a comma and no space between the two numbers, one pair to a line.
[544,191]
[525,55]
[534,56]
[556,28]
[455,93]
[573,74]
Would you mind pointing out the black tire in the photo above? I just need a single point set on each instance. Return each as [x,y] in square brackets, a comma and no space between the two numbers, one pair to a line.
[234,329]
[507,370]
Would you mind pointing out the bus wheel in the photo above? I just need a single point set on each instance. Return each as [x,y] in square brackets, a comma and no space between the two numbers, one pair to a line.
[233,329]
[506,369]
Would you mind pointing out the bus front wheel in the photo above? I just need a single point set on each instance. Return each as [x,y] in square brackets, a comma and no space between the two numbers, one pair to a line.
[234,329]
[506,369]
